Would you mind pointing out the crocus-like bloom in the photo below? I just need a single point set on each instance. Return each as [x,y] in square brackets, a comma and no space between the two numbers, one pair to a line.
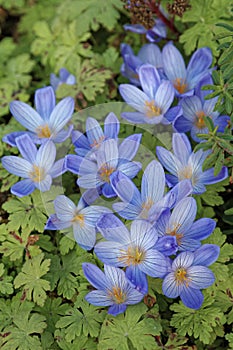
[47,122]
[151,202]
[195,108]
[109,158]
[83,220]
[156,33]
[95,135]
[65,77]
[112,288]
[134,250]
[189,274]
[180,224]
[153,102]
[38,167]
[184,80]
[185,164]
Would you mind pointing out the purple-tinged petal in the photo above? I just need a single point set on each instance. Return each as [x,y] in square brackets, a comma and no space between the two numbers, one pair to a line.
[167,245]
[143,234]
[208,177]
[84,235]
[192,298]
[200,277]
[90,181]
[168,160]
[130,169]
[198,65]
[222,122]
[137,278]
[17,166]
[206,80]
[183,215]
[115,277]
[108,191]
[61,114]
[133,96]
[173,113]
[93,213]
[72,163]
[58,168]
[209,105]
[154,264]
[125,188]
[110,253]
[149,79]
[117,309]
[26,115]
[27,148]
[133,296]
[206,255]
[181,124]
[126,210]
[191,106]
[80,140]
[91,195]
[98,298]
[94,132]
[173,63]
[177,193]
[181,147]
[11,138]
[23,188]
[164,96]
[170,288]
[188,244]
[108,154]
[153,182]
[184,260]
[46,155]
[63,134]
[64,208]
[150,53]
[113,229]
[134,117]
[95,276]
[171,180]
[129,147]
[135,28]
[54,223]
[45,184]
[201,228]
[45,102]
[111,126]
[161,224]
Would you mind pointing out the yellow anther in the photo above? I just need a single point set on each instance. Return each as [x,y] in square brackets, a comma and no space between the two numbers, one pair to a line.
[132,256]
[117,295]
[38,174]
[43,131]
[79,218]
[105,173]
[151,109]
[180,85]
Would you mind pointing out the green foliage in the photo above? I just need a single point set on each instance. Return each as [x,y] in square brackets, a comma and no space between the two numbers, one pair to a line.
[5,281]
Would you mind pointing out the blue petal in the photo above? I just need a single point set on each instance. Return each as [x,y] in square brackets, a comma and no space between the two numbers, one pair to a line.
[11,138]
[162,223]
[200,277]
[173,113]
[167,245]
[206,80]
[134,117]
[90,181]
[110,253]
[154,264]
[27,148]
[61,114]
[133,96]
[129,147]
[168,160]
[84,235]
[198,65]
[130,168]
[153,182]
[149,79]
[94,132]
[62,135]
[171,180]
[184,259]
[58,168]
[46,155]
[188,244]
[108,191]
[137,278]
[72,163]
[80,140]
[64,208]
[111,126]
[183,215]
[113,229]
[93,213]
[173,63]
[208,177]
[126,210]
[125,189]
[54,223]
[95,276]
[98,298]
[45,101]
[143,234]
[108,154]
[17,166]
[191,106]
[115,277]
[135,28]
[26,115]
[192,298]
[23,188]
[181,124]
[177,193]
[206,254]
[164,96]
[181,147]
[91,195]
[201,229]
[170,288]
[150,53]
[45,184]
[117,309]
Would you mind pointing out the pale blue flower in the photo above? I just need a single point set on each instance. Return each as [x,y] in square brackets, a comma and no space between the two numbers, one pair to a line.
[65,77]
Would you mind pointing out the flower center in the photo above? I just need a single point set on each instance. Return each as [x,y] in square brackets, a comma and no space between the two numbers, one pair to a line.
[43,131]
[117,295]
[79,218]
[97,143]
[200,123]
[132,256]
[180,85]
[185,173]
[177,235]
[105,173]
[145,208]
[151,109]
[181,276]
[38,174]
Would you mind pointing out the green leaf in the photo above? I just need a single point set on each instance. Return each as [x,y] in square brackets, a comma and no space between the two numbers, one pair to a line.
[30,278]
[130,330]
[6,286]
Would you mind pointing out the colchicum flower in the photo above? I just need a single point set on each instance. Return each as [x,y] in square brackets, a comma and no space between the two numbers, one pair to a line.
[184,80]
[83,220]
[47,122]
[134,250]
[38,167]
[180,224]
[189,274]
[153,102]
[95,135]
[185,164]
[109,158]
[112,288]
[65,77]
[156,33]
[151,202]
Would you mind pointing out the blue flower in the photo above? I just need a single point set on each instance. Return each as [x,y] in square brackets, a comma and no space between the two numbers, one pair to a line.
[153,102]
[109,158]
[47,122]
[184,80]
[83,220]
[195,108]
[38,167]
[89,144]
[65,77]
[156,33]
[134,250]
[185,164]
[151,202]
[180,224]
[112,288]
[189,274]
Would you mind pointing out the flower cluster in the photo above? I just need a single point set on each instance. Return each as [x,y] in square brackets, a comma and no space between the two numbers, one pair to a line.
[163,239]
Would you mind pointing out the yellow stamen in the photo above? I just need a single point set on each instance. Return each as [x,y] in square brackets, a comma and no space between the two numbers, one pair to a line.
[98,142]
[180,85]
[185,173]
[117,294]
[200,123]
[105,172]
[38,174]
[132,256]
[146,207]
[181,277]
[43,131]
[151,109]
[79,218]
